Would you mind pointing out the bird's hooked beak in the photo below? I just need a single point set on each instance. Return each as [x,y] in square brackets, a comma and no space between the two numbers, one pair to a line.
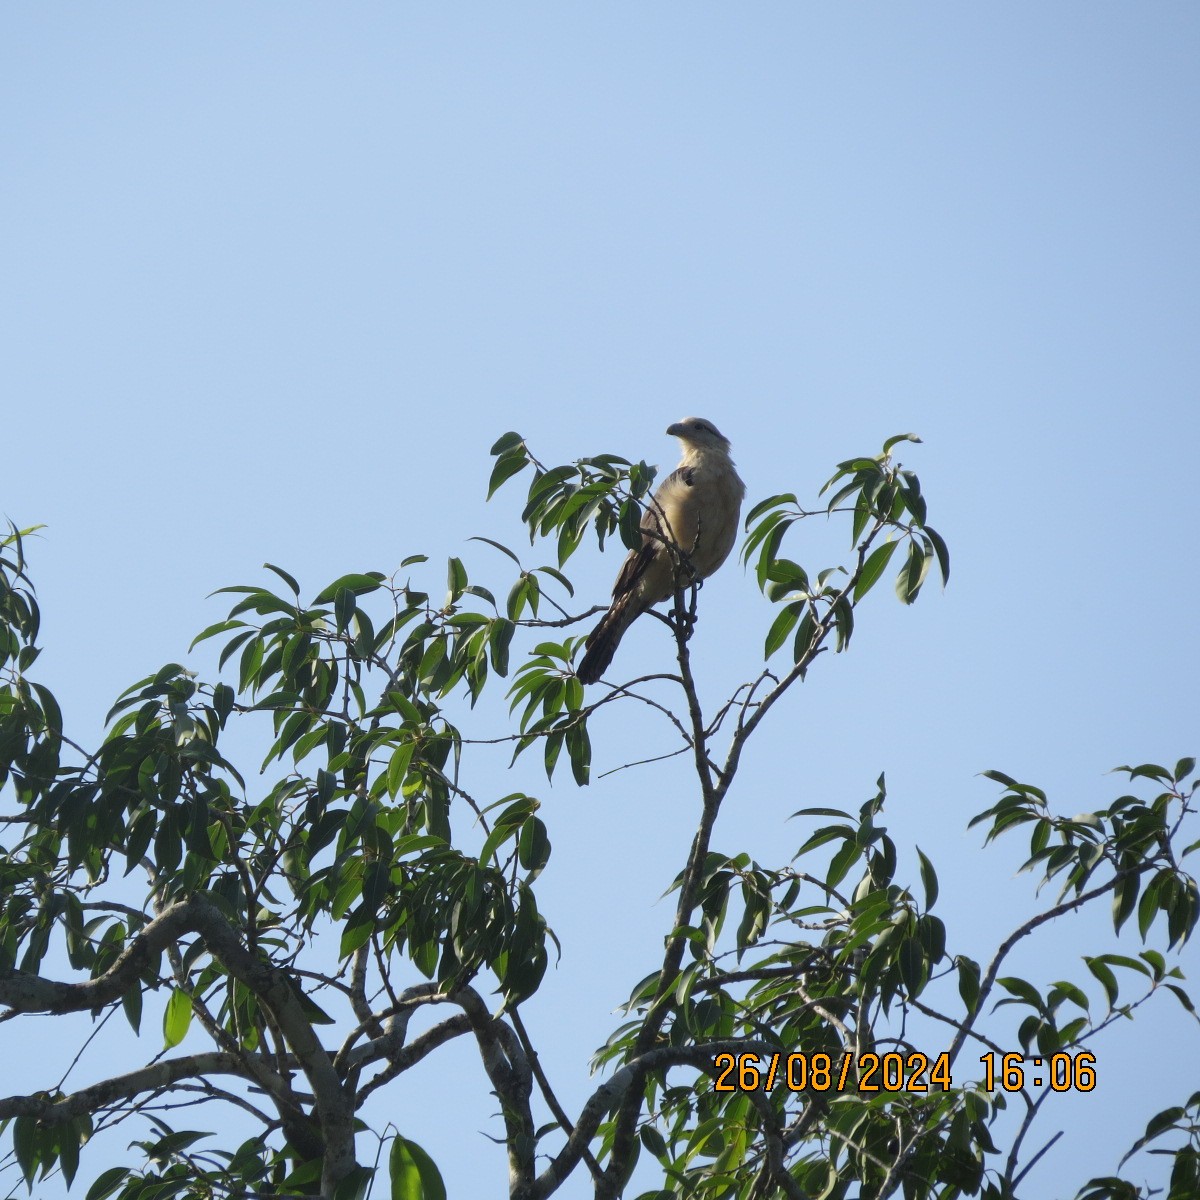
[675,430]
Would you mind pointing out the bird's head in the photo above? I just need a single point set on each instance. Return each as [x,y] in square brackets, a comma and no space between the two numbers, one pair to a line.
[698,434]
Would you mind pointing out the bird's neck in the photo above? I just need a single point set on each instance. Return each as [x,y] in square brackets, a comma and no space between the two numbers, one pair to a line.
[704,456]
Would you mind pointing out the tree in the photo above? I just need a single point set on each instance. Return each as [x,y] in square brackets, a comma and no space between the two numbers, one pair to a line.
[766,1054]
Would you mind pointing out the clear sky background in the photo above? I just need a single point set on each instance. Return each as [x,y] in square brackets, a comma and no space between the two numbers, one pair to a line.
[276,277]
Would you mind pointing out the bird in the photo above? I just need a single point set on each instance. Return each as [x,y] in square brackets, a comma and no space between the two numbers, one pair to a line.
[688,530]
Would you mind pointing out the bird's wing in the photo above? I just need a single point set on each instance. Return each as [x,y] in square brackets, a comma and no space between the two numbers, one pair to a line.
[634,567]
[666,516]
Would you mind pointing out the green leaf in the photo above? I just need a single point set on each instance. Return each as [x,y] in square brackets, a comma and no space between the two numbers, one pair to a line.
[770,548]
[546,492]
[843,619]
[769,503]
[354,1186]
[357,582]
[131,1002]
[786,577]
[968,981]
[841,862]
[875,566]
[1182,912]
[223,698]
[177,1018]
[629,524]
[502,832]
[505,468]
[213,630]
[913,968]
[262,602]
[579,747]
[50,708]
[1181,996]
[1124,897]
[782,625]
[760,532]
[456,579]
[558,578]
[518,597]
[928,880]
[826,833]
[822,812]
[496,546]
[343,608]
[413,1173]
[862,514]
[942,552]
[500,635]
[1107,979]
[1023,990]
[804,636]
[284,576]
[506,442]
[656,1144]
[1064,989]
[354,936]
[899,437]
[533,846]
[685,982]
[398,766]
[1148,771]
[913,500]
[1148,907]
[107,1183]
[912,574]
[25,1144]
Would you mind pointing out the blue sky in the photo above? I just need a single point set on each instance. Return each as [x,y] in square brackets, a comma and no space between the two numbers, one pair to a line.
[277,276]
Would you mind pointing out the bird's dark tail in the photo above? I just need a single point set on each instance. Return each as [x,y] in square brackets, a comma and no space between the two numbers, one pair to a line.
[603,641]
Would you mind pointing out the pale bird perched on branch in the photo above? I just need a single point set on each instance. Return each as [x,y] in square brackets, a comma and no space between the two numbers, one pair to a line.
[695,510]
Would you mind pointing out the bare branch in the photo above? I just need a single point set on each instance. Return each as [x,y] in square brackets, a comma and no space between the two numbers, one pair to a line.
[26,992]
[122,1087]
[548,1093]
[1022,931]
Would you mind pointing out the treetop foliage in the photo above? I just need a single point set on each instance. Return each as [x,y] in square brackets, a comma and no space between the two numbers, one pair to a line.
[330,917]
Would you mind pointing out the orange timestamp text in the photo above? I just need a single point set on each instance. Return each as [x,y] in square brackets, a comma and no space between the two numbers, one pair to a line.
[798,1072]
[1063,1072]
